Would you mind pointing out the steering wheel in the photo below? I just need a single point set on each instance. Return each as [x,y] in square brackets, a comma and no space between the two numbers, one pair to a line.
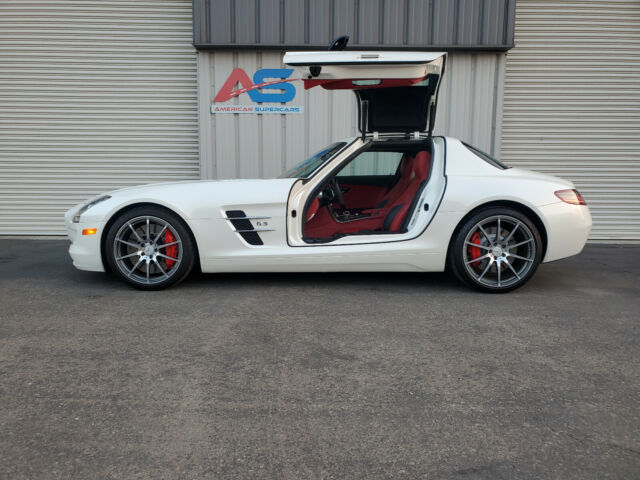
[337,193]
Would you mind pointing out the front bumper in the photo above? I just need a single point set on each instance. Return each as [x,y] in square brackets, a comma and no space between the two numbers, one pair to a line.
[84,249]
[568,227]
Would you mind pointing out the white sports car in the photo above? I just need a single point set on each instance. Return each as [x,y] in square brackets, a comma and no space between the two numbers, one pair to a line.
[395,198]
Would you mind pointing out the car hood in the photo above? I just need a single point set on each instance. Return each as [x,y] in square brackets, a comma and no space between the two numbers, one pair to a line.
[199,184]
[224,192]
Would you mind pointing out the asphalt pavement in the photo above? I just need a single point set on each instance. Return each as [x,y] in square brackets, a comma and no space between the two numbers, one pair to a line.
[319,375]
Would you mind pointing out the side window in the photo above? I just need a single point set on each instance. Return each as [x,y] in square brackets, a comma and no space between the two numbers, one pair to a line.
[372,163]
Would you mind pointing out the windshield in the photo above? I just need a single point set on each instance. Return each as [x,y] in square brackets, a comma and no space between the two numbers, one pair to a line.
[486,157]
[307,167]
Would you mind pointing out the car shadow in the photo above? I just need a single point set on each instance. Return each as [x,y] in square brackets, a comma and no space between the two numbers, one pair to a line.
[48,261]
[552,278]
[440,280]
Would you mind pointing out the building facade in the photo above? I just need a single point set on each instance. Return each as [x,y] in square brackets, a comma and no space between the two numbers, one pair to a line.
[118,93]
[253,36]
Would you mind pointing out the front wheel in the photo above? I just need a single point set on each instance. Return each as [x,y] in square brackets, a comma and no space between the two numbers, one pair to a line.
[150,248]
[496,250]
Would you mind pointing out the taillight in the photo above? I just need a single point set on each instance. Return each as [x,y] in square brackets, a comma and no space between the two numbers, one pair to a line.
[571,196]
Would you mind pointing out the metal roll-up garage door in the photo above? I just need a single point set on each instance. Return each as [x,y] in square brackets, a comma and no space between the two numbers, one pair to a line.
[93,96]
[572,104]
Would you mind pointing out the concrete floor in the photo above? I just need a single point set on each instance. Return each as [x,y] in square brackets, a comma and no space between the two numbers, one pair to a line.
[319,375]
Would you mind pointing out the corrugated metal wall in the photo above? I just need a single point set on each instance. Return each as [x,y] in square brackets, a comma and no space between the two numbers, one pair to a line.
[250,146]
[572,104]
[93,96]
[379,24]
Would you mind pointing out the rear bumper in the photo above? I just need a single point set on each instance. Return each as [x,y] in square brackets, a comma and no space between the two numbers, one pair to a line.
[568,227]
[84,249]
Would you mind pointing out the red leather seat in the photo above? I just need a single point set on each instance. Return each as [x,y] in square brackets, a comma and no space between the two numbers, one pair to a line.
[398,210]
[406,167]
[313,209]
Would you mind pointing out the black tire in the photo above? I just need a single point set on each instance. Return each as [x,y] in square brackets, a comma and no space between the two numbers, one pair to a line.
[490,263]
[127,239]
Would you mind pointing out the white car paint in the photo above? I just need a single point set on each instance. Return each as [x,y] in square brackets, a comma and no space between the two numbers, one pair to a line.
[366,65]
[466,182]
[360,57]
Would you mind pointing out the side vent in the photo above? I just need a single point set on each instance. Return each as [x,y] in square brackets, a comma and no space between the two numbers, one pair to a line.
[244,228]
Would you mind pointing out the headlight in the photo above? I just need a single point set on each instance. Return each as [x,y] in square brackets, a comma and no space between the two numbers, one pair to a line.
[76,217]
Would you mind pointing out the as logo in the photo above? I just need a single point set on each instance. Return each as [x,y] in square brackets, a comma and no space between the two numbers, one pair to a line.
[275,79]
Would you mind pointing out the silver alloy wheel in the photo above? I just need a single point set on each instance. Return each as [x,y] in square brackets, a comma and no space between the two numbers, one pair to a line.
[506,251]
[142,253]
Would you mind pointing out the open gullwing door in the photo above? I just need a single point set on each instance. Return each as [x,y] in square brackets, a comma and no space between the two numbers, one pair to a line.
[397,92]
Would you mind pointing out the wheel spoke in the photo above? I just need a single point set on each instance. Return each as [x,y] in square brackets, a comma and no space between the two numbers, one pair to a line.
[520,258]
[148,268]
[137,247]
[506,240]
[484,247]
[513,270]
[155,240]
[135,233]
[148,234]
[485,234]
[128,256]
[509,247]
[486,255]
[135,267]
[498,269]
[486,269]
[169,244]
[160,267]
[498,232]
[168,258]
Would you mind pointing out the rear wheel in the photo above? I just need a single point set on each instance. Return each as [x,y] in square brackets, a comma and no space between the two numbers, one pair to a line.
[150,248]
[496,250]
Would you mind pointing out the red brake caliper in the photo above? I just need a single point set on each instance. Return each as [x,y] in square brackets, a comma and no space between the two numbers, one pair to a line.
[475,252]
[171,250]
